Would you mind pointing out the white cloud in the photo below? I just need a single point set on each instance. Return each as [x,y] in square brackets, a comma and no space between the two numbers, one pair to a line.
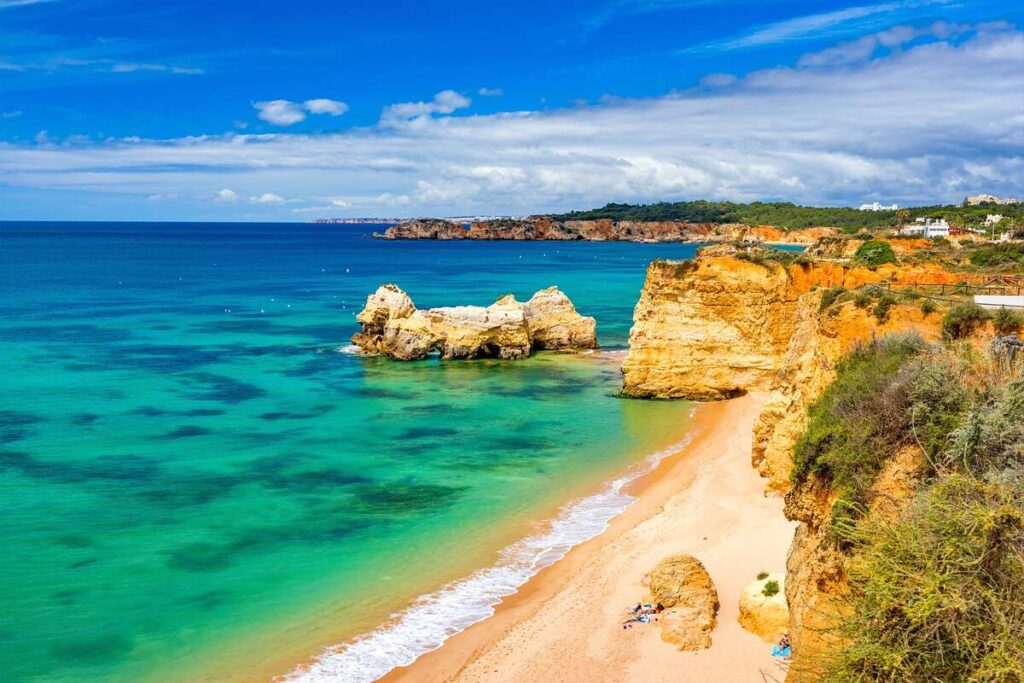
[490,92]
[226,195]
[325,106]
[19,3]
[280,112]
[444,102]
[129,67]
[818,25]
[99,65]
[268,198]
[832,131]
[286,112]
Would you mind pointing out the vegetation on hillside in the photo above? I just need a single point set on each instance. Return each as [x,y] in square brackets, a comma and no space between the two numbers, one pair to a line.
[875,253]
[937,590]
[789,215]
[962,320]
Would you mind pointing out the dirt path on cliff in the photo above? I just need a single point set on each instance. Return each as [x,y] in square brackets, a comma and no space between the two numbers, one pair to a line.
[564,625]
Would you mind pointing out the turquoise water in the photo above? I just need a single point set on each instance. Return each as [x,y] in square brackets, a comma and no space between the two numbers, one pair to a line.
[197,484]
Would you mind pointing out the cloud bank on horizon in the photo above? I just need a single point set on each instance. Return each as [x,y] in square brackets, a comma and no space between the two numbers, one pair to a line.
[910,114]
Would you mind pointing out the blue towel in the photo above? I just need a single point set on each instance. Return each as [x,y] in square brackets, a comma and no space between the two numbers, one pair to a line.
[781,651]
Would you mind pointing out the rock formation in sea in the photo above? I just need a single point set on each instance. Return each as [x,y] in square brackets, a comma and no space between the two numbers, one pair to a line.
[547,228]
[682,585]
[508,329]
[763,612]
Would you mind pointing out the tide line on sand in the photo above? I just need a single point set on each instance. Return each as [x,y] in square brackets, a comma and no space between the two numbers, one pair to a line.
[434,618]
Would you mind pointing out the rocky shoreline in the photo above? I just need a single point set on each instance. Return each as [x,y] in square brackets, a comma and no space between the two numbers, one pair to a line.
[545,228]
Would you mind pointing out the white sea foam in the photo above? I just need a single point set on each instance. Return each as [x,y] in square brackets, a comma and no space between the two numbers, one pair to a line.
[435,617]
[350,350]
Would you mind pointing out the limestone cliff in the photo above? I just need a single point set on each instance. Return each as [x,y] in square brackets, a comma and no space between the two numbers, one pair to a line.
[547,228]
[726,323]
[507,329]
[807,368]
[815,570]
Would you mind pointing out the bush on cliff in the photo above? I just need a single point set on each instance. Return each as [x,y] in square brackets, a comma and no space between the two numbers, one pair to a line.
[935,588]
[885,302]
[887,395]
[862,415]
[1001,255]
[936,594]
[1008,321]
[962,320]
[875,253]
[829,296]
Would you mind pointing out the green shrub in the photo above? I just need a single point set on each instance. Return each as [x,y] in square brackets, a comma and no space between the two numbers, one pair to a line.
[1007,321]
[927,306]
[881,311]
[862,300]
[997,255]
[938,400]
[861,417]
[770,588]
[829,296]
[936,594]
[962,320]
[761,576]
[991,437]
[875,253]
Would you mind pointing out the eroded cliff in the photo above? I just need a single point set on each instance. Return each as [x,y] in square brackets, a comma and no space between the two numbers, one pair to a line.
[547,228]
[727,322]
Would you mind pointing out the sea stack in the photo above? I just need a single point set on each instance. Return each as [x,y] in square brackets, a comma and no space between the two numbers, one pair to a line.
[507,329]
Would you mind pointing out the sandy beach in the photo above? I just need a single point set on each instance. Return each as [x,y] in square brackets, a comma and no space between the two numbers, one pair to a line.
[565,623]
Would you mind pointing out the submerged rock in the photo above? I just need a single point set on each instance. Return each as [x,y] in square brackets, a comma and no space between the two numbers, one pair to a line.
[507,329]
[764,615]
[682,585]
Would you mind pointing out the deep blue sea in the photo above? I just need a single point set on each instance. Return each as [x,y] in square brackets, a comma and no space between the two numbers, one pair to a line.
[200,482]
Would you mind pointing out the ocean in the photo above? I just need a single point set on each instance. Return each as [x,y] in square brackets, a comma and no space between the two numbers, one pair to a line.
[201,481]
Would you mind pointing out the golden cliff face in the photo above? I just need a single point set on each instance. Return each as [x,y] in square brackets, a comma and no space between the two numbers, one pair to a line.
[808,367]
[708,329]
[723,325]
[815,570]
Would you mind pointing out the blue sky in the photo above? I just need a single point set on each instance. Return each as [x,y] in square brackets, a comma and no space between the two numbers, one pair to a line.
[288,111]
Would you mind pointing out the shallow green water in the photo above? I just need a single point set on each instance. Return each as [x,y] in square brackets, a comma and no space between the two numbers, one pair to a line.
[189,467]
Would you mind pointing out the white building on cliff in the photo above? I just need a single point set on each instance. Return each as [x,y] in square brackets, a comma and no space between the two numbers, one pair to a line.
[928,228]
[875,206]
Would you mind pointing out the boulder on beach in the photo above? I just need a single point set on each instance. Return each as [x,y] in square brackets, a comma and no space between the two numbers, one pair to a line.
[682,585]
[763,608]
